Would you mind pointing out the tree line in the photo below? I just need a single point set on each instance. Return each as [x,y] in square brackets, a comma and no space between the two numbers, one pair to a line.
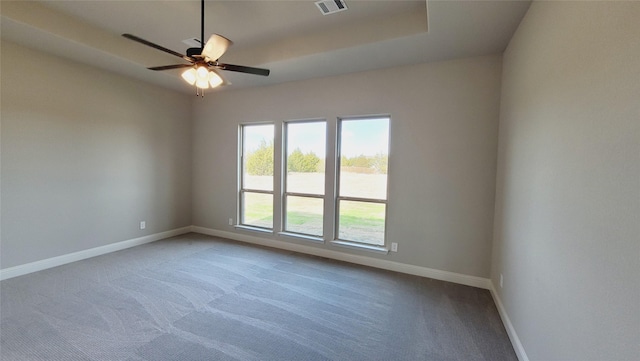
[260,161]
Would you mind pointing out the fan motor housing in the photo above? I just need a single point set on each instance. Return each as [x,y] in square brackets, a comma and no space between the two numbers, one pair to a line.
[191,52]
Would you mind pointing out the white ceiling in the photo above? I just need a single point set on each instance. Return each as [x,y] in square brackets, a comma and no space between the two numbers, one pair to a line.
[292,38]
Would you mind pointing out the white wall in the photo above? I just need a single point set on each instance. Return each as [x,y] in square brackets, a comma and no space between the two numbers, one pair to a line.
[442,160]
[86,155]
[567,230]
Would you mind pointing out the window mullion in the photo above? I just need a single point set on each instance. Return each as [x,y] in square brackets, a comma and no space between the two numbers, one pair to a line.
[358,199]
[257,191]
[308,195]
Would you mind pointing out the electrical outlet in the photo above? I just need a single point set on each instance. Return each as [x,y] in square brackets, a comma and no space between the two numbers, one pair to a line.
[501,280]
[231,221]
[143,224]
[394,247]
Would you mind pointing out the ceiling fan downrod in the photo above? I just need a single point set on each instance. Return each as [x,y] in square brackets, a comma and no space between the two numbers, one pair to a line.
[201,26]
[201,40]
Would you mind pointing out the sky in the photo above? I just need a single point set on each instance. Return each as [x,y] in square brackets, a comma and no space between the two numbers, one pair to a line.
[309,137]
[366,137]
[254,134]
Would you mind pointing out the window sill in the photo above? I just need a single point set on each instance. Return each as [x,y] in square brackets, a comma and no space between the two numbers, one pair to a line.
[302,236]
[253,229]
[366,247]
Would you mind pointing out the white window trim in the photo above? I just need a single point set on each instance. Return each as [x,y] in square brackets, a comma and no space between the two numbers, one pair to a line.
[285,193]
[332,171]
[241,189]
[336,225]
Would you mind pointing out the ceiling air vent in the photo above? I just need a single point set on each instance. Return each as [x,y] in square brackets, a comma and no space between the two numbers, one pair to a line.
[331,6]
[192,42]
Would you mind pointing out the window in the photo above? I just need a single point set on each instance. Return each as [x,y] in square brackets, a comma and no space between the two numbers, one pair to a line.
[256,176]
[304,180]
[317,179]
[361,202]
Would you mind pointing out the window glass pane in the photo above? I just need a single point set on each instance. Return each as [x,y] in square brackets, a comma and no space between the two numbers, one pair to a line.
[304,215]
[306,153]
[257,209]
[257,166]
[364,153]
[361,222]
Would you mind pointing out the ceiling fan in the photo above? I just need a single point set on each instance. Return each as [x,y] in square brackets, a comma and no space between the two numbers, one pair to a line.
[203,61]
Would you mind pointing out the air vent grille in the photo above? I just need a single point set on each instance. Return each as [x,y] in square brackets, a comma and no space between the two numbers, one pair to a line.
[192,42]
[331,6]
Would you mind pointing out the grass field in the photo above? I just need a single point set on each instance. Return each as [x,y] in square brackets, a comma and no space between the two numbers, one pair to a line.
[359,221]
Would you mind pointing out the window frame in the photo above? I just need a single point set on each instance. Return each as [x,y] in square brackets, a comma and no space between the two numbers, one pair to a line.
[336,225]
[241,180]
[331,199]
[286,193]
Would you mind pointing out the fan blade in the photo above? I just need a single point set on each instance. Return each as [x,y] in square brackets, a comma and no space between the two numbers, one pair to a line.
[243,69]
[153,45]
[216,46]
[168,67]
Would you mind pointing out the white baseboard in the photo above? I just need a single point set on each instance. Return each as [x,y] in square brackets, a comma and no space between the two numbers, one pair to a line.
[88,253]
[352,258]
[511,331]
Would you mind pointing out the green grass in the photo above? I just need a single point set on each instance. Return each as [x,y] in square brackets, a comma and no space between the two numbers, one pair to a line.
[304,222]
[370,215]
[359,221]
[356,221]
[362,222]
[362,210]
[300,218]
[258,210]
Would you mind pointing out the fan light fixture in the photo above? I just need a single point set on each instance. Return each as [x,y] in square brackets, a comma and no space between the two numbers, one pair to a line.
[203,58]
[202,77]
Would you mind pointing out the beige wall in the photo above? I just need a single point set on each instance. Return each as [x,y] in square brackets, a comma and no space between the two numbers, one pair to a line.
[567,230]
[86,155]
[442,160]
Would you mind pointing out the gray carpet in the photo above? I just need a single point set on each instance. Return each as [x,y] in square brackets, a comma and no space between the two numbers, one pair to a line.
[197,297]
